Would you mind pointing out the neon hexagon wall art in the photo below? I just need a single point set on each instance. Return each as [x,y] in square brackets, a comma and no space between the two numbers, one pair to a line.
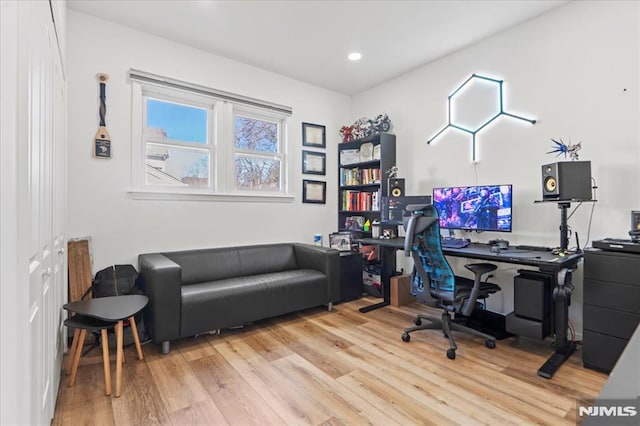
[477,101]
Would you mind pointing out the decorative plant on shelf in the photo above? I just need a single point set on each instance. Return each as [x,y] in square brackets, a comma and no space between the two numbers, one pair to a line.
[364,127]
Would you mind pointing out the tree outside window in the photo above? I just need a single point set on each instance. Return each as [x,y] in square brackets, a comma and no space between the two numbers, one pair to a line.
[257,154]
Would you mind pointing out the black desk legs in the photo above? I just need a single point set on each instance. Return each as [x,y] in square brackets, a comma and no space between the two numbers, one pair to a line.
[388,266]
[375,306]
[564,348]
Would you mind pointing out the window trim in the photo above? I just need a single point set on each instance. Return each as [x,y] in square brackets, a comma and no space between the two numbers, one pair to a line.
[222,107]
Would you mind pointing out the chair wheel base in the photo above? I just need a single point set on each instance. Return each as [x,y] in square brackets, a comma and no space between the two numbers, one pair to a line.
[417,321]
[451,353]
[406,337]
[491,344]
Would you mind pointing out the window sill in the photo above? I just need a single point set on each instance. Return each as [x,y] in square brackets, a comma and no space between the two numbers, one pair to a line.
[142,194]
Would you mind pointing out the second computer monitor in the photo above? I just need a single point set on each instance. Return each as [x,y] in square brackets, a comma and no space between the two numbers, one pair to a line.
[394,208]
[474,208]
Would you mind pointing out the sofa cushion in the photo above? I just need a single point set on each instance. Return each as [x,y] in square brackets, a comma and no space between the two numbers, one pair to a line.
[200,266]
[266,259]
[235,301]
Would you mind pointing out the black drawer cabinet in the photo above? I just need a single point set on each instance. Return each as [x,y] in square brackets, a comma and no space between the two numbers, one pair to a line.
[611,306]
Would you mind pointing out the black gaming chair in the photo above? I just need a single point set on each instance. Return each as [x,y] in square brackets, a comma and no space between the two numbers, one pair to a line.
[453,293]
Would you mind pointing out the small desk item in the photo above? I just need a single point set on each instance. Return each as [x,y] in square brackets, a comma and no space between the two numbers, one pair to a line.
[114,309]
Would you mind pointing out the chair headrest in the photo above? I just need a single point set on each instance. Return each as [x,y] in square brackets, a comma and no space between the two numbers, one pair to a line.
[415,225]
[415,207]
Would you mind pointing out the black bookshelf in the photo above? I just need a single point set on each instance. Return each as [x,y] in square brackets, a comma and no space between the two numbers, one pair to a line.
[361,188]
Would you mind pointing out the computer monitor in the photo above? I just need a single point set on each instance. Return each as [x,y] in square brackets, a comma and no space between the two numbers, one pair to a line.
[474,208]
[393,208]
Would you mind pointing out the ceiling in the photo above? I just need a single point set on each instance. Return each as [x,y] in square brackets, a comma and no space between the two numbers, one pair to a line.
[309,40]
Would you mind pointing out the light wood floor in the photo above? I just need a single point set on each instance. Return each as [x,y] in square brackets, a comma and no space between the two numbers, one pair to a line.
[331,368]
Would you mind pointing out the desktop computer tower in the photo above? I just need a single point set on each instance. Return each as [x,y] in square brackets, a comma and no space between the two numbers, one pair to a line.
[532,314]
[567,180]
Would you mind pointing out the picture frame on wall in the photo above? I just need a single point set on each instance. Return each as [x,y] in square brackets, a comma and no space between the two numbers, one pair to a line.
[314,191]
[314,163]
[314,135]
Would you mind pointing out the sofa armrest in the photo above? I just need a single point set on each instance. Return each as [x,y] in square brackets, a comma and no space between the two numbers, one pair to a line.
[162,283]
[321,259]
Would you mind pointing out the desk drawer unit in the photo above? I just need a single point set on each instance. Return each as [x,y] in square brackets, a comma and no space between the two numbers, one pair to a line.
[611,306]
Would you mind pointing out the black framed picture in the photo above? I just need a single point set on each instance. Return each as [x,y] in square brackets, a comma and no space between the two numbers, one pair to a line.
[340,241]
[314,191]
[314,163]
[314,135]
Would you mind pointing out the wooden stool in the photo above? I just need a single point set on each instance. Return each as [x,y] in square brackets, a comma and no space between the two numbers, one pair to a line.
[111,310]
[81,324]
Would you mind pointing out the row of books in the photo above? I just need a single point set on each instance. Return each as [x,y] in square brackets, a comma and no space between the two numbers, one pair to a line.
[360,200]
[359,176]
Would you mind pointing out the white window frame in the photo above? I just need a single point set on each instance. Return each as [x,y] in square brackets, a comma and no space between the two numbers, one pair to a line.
[220,133]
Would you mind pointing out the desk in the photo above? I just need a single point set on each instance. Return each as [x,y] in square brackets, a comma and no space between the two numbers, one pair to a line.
[559,267]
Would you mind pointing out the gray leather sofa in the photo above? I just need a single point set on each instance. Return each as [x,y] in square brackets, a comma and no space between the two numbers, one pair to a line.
[196,291]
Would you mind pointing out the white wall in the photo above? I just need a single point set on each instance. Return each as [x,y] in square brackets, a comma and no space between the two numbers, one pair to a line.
[575,70]
[99,205]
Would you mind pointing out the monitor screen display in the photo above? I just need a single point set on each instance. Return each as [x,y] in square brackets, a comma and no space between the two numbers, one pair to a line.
[393,208]
[474,208]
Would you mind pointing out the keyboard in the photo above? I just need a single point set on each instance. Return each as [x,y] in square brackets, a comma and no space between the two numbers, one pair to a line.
[451,242]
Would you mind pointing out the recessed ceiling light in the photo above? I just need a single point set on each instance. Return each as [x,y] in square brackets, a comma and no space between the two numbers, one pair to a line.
[354,56]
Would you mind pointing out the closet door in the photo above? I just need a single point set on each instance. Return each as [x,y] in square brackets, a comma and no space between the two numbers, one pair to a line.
[41,125]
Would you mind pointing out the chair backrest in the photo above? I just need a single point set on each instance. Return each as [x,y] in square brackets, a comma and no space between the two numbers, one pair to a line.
[422,243]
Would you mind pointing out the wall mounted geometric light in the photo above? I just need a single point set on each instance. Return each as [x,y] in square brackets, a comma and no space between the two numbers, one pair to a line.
[484,94]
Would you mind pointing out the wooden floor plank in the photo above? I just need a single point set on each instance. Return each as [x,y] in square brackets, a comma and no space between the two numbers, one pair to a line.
[332,368]
[203,413]
[140,403]
[350,407]
[237,401]
[177,384]
[292,407]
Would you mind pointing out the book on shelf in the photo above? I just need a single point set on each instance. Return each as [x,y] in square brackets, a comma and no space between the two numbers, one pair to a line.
[360,200]
[376,152]
[356,176]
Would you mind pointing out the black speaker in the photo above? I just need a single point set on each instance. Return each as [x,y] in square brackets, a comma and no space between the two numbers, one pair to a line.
[396,187]
[566,180]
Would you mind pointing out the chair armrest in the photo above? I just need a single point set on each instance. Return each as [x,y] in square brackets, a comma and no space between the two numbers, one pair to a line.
[162,283]
[325,260]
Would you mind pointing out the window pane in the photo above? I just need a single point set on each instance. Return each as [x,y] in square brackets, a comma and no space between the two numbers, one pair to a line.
[178,122]
[256,135]
[257,173]
[167,165]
